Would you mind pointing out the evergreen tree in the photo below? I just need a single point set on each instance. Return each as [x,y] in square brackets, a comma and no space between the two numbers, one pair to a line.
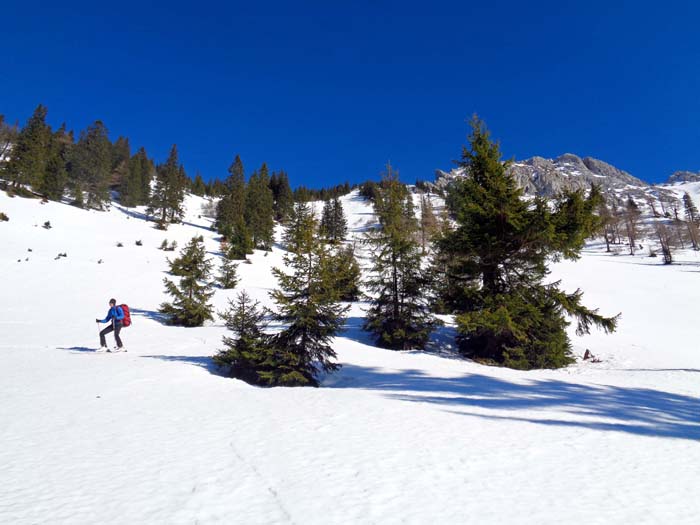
[121,153]
[334,226]
[8,138]
[282,195]
[691,211]
[399,315]
[135,188]
[182,184]
[91,162]
[230,211]
[496,263]
[345,273]
[307,305]
[247,355]
[29,157]
[198,186]
[54,182]
[575,220]
[148,173]
[259,212]
[169,190]
[228,278]
[428,223]
[692,219]
[190,305]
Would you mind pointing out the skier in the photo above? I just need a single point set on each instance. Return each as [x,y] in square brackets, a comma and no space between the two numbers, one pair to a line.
[116,315]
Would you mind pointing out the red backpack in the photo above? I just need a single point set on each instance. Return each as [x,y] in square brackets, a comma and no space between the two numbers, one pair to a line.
[127,315]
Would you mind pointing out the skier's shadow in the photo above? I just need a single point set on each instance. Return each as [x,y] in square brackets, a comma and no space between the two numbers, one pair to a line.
[77,349]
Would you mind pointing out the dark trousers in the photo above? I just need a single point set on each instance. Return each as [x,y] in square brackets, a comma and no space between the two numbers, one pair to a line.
[117,328]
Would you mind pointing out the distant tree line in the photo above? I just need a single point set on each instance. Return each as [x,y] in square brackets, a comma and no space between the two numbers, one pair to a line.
[38,161]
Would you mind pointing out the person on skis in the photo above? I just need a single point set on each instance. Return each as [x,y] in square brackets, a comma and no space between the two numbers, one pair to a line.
[116,316]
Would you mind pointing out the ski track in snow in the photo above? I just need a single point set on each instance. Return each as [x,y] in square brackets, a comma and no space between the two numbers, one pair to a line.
[155,435]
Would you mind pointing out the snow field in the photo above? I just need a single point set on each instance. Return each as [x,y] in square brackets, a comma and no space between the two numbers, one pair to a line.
[156,436]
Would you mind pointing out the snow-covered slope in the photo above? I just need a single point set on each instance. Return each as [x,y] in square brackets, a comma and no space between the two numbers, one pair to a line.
[156,436]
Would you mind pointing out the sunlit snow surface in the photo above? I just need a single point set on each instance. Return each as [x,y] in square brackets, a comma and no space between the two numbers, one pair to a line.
[156,436]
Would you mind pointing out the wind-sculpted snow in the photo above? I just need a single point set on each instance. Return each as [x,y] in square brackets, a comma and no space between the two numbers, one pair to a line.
[156,435]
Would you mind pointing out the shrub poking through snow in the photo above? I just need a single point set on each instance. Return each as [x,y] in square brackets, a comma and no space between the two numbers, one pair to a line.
[139,243]
[3,217]
[47,225]
[120,245]
[164,245]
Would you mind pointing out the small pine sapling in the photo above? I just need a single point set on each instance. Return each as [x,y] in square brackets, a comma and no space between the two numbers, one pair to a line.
[228,278]
[190,306]
[248,353]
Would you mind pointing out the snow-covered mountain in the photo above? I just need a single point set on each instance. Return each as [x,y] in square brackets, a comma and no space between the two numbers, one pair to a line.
[155,435]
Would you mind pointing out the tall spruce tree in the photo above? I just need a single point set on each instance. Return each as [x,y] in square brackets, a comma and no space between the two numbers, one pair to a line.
[247,355]
[230,212]
[334,226]
[135,188]
[56,177]
[190,305]
[169,190]
[91,163]
[259,212]
[307,305]
[30,156]
[399,314]
[121,153]
[496,262]
[282,195]
[198,186]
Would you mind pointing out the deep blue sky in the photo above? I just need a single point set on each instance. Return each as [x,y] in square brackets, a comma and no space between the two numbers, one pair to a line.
[331,93]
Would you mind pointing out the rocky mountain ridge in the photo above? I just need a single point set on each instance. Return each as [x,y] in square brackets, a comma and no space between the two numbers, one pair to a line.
[549,177]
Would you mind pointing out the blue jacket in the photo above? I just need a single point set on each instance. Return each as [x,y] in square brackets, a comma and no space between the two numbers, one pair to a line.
[115,313]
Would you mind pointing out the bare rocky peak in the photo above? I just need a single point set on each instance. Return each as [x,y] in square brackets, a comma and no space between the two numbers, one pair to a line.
[549,177]
[683,176]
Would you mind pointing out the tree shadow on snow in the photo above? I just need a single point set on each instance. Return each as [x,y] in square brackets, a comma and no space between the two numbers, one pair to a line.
[201,361]
[150,314]
[639,411]
[352,329]
[441,340]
